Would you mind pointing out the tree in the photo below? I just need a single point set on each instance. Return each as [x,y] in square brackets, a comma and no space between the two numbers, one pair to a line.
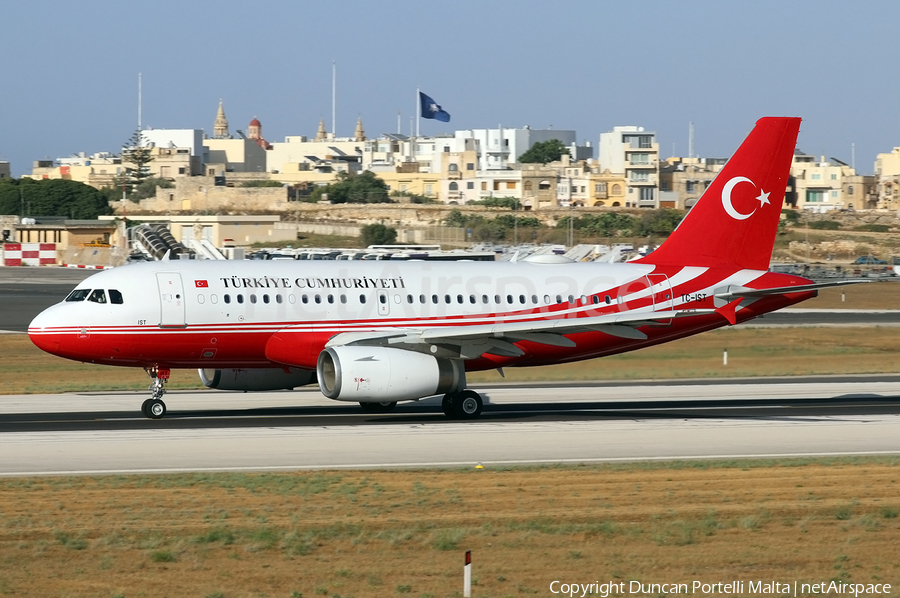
[347,187]
[378,234]
[51,197]
[544,151]
[134,153]
[510,203]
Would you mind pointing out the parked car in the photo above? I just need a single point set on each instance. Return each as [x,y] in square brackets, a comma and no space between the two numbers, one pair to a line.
[870,259]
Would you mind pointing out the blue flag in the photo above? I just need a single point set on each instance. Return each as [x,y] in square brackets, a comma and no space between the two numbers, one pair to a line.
[430,109]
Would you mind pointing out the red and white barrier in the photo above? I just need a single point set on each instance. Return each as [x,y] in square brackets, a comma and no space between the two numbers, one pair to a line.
[29,254]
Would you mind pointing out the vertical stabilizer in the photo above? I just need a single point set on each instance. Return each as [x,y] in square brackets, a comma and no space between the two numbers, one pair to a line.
[735,221]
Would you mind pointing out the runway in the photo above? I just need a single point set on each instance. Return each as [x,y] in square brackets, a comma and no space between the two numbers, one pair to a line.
[103,433]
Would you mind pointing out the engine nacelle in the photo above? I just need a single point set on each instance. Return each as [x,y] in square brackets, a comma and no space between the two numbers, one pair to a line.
[256,378]
[379,374]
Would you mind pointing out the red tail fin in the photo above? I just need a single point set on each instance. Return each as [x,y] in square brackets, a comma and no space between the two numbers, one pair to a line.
[735,221]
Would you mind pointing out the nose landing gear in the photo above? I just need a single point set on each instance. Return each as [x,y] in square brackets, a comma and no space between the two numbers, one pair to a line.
[154,407]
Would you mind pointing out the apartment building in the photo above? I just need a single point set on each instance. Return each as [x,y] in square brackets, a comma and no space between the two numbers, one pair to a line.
[634,153]
[887,180]
[824,185]
[686,179]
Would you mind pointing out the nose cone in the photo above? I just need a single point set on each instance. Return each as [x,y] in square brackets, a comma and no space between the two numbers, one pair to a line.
[44,330]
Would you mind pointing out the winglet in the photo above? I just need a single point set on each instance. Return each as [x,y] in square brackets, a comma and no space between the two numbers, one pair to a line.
[729,311]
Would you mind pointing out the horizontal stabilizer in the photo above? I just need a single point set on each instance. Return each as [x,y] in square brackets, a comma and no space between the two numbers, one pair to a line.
[745,292]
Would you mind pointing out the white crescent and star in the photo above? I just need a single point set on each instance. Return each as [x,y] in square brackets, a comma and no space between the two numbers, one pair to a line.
[762,198]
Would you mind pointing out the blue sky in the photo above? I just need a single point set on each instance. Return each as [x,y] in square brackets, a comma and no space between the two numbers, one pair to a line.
[70,69]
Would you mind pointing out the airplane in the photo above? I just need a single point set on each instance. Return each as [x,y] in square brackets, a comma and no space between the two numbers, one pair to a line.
[379,332]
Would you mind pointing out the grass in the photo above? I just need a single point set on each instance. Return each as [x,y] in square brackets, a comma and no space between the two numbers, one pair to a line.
[527,526]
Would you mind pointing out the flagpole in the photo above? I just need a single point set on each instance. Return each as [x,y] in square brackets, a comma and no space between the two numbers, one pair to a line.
[418,110]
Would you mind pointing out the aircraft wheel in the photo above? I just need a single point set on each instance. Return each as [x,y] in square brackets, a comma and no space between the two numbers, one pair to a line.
[467,404]
[156,409]
[144,408]
[383,407]
[447,404]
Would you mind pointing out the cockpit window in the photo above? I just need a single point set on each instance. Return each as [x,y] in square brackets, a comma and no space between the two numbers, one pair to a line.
[115,297]
[97,296]
[78,295]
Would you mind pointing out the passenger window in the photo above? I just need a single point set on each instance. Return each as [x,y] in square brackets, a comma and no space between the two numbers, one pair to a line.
[522,299]
[509,299]
[362,298]
[240,298]
[559,298]
[547,299]
[252,298]
[382,299]
[78,295]
[330,298]
[200,299]
[409,299]
[343,298]
[572,299]
[446,298]
[278,299]
[227,298]
[607,299]
[213,298]
[534,299]
[497,299]
[97,296]
[484,299]
[304,299]
[472,299]
[434,298]
[318,298]
[116,297]
[459,298]
[421,298]
[595,299]
[265,298]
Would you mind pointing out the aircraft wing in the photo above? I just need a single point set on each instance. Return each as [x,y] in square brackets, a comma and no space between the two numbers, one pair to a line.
[470,342]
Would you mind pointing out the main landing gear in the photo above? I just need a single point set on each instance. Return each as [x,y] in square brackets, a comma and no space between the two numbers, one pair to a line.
[154,407]
[464,404]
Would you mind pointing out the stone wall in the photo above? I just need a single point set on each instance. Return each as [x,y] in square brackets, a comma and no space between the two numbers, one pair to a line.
[200,194]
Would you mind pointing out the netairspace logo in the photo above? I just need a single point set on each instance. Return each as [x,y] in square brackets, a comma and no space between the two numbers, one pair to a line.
[605,589]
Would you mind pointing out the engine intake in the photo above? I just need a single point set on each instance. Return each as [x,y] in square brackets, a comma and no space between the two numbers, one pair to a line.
[378,374]
[256,378]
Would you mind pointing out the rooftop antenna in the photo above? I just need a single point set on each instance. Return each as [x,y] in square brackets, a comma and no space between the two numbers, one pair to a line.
[691,139]
[139,101]
[333,95]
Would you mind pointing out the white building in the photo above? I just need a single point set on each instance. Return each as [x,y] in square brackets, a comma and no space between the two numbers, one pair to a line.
[497,148]
[191,139]
[634,152]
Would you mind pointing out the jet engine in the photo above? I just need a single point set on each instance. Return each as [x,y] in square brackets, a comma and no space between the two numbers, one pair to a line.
[378,374]
[256,378]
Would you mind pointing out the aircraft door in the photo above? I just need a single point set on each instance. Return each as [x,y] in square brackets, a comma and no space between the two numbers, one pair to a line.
[384,302]
[663,299]
[171,300]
